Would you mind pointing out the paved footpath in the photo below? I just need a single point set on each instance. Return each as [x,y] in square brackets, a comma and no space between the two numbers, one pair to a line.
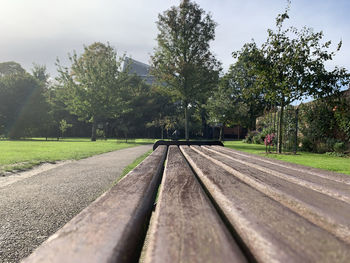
[34,208]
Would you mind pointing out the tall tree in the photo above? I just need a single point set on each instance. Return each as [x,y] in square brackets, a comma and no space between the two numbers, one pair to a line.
[226,106]
[182,60]
[22,105]
[91,84]
[242,76]
[294,67]
[10,67]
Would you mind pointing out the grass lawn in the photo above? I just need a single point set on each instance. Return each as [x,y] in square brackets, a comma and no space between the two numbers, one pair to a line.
[322,161]
[135,163]
[24,154]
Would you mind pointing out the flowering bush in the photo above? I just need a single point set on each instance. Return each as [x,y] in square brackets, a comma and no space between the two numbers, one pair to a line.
[269,139]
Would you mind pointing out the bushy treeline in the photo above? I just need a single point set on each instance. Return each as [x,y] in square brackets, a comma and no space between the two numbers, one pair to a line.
[320,126]
[94,96]
[288,67]
[120,105]
[34,105]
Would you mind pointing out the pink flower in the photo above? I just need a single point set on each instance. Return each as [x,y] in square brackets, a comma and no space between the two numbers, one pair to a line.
[269,139]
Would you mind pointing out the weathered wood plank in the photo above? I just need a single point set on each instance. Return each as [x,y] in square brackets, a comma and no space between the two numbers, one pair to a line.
[326,186]
[168,143]
[111,229]
[297,168]
[327,212]
[271,231]
[186,227]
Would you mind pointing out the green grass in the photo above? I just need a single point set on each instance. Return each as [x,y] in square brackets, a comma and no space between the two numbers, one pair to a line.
[131,166]
[322,161]
[24,154]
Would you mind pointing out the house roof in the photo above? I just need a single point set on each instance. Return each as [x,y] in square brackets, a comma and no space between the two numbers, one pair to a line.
[140,69]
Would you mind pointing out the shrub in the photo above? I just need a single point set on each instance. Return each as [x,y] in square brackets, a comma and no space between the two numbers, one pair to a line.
[322,147]
[250,136]
[307,145]
[257,139]
[340,147]
[270,139]
[335,154]
[330,143]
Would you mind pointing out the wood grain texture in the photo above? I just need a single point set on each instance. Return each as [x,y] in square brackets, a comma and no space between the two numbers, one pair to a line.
[327,212]
[111,228]
[334,189]
[271,231]
[186,227]
[278,164]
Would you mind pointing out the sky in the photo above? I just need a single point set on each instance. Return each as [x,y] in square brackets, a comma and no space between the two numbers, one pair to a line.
[39,31]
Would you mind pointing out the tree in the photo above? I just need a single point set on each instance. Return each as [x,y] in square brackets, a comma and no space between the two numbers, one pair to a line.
[22,105]
[64,125]
[242,76]
[39,72]
[183,61]
[294,67]
[92,84]
[163,111]
[11,67]
[226,106]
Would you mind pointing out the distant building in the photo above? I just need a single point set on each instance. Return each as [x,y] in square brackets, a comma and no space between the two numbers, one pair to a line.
[140,69]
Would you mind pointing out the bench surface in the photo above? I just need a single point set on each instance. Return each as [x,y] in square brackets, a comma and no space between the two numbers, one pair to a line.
[213,205]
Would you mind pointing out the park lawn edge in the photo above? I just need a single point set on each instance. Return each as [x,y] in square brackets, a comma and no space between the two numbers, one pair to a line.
[132,165]
[27,164]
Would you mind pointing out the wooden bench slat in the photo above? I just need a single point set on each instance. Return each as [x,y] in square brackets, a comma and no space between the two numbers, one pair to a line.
[186,226]
[297,168]
[111,229]
[329,213]
[329,187]
[271,231]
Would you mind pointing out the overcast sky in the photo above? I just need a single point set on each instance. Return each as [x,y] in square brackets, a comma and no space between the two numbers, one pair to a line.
[41,30]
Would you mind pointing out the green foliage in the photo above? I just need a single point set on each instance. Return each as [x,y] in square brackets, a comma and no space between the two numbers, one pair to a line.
[225,106]
[9,68]
[100,134]
[342,116]
[340,147]
[292,66]
[322,147]
[250,136]
[317,124]
[306,145]
[257,139]
[242,77]
[22,105]
[335,154]
[182,60]
[64,126]
[93,84]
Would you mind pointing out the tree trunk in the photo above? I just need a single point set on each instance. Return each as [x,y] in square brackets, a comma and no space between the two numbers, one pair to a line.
[274,120]
[296,131]
[221,133]
[187,137]
[93,130]
[204,124]
[280,134]
[162,135]
[126,136]
[239,131]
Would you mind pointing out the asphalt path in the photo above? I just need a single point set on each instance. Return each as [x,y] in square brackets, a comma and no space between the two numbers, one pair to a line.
[35,207]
